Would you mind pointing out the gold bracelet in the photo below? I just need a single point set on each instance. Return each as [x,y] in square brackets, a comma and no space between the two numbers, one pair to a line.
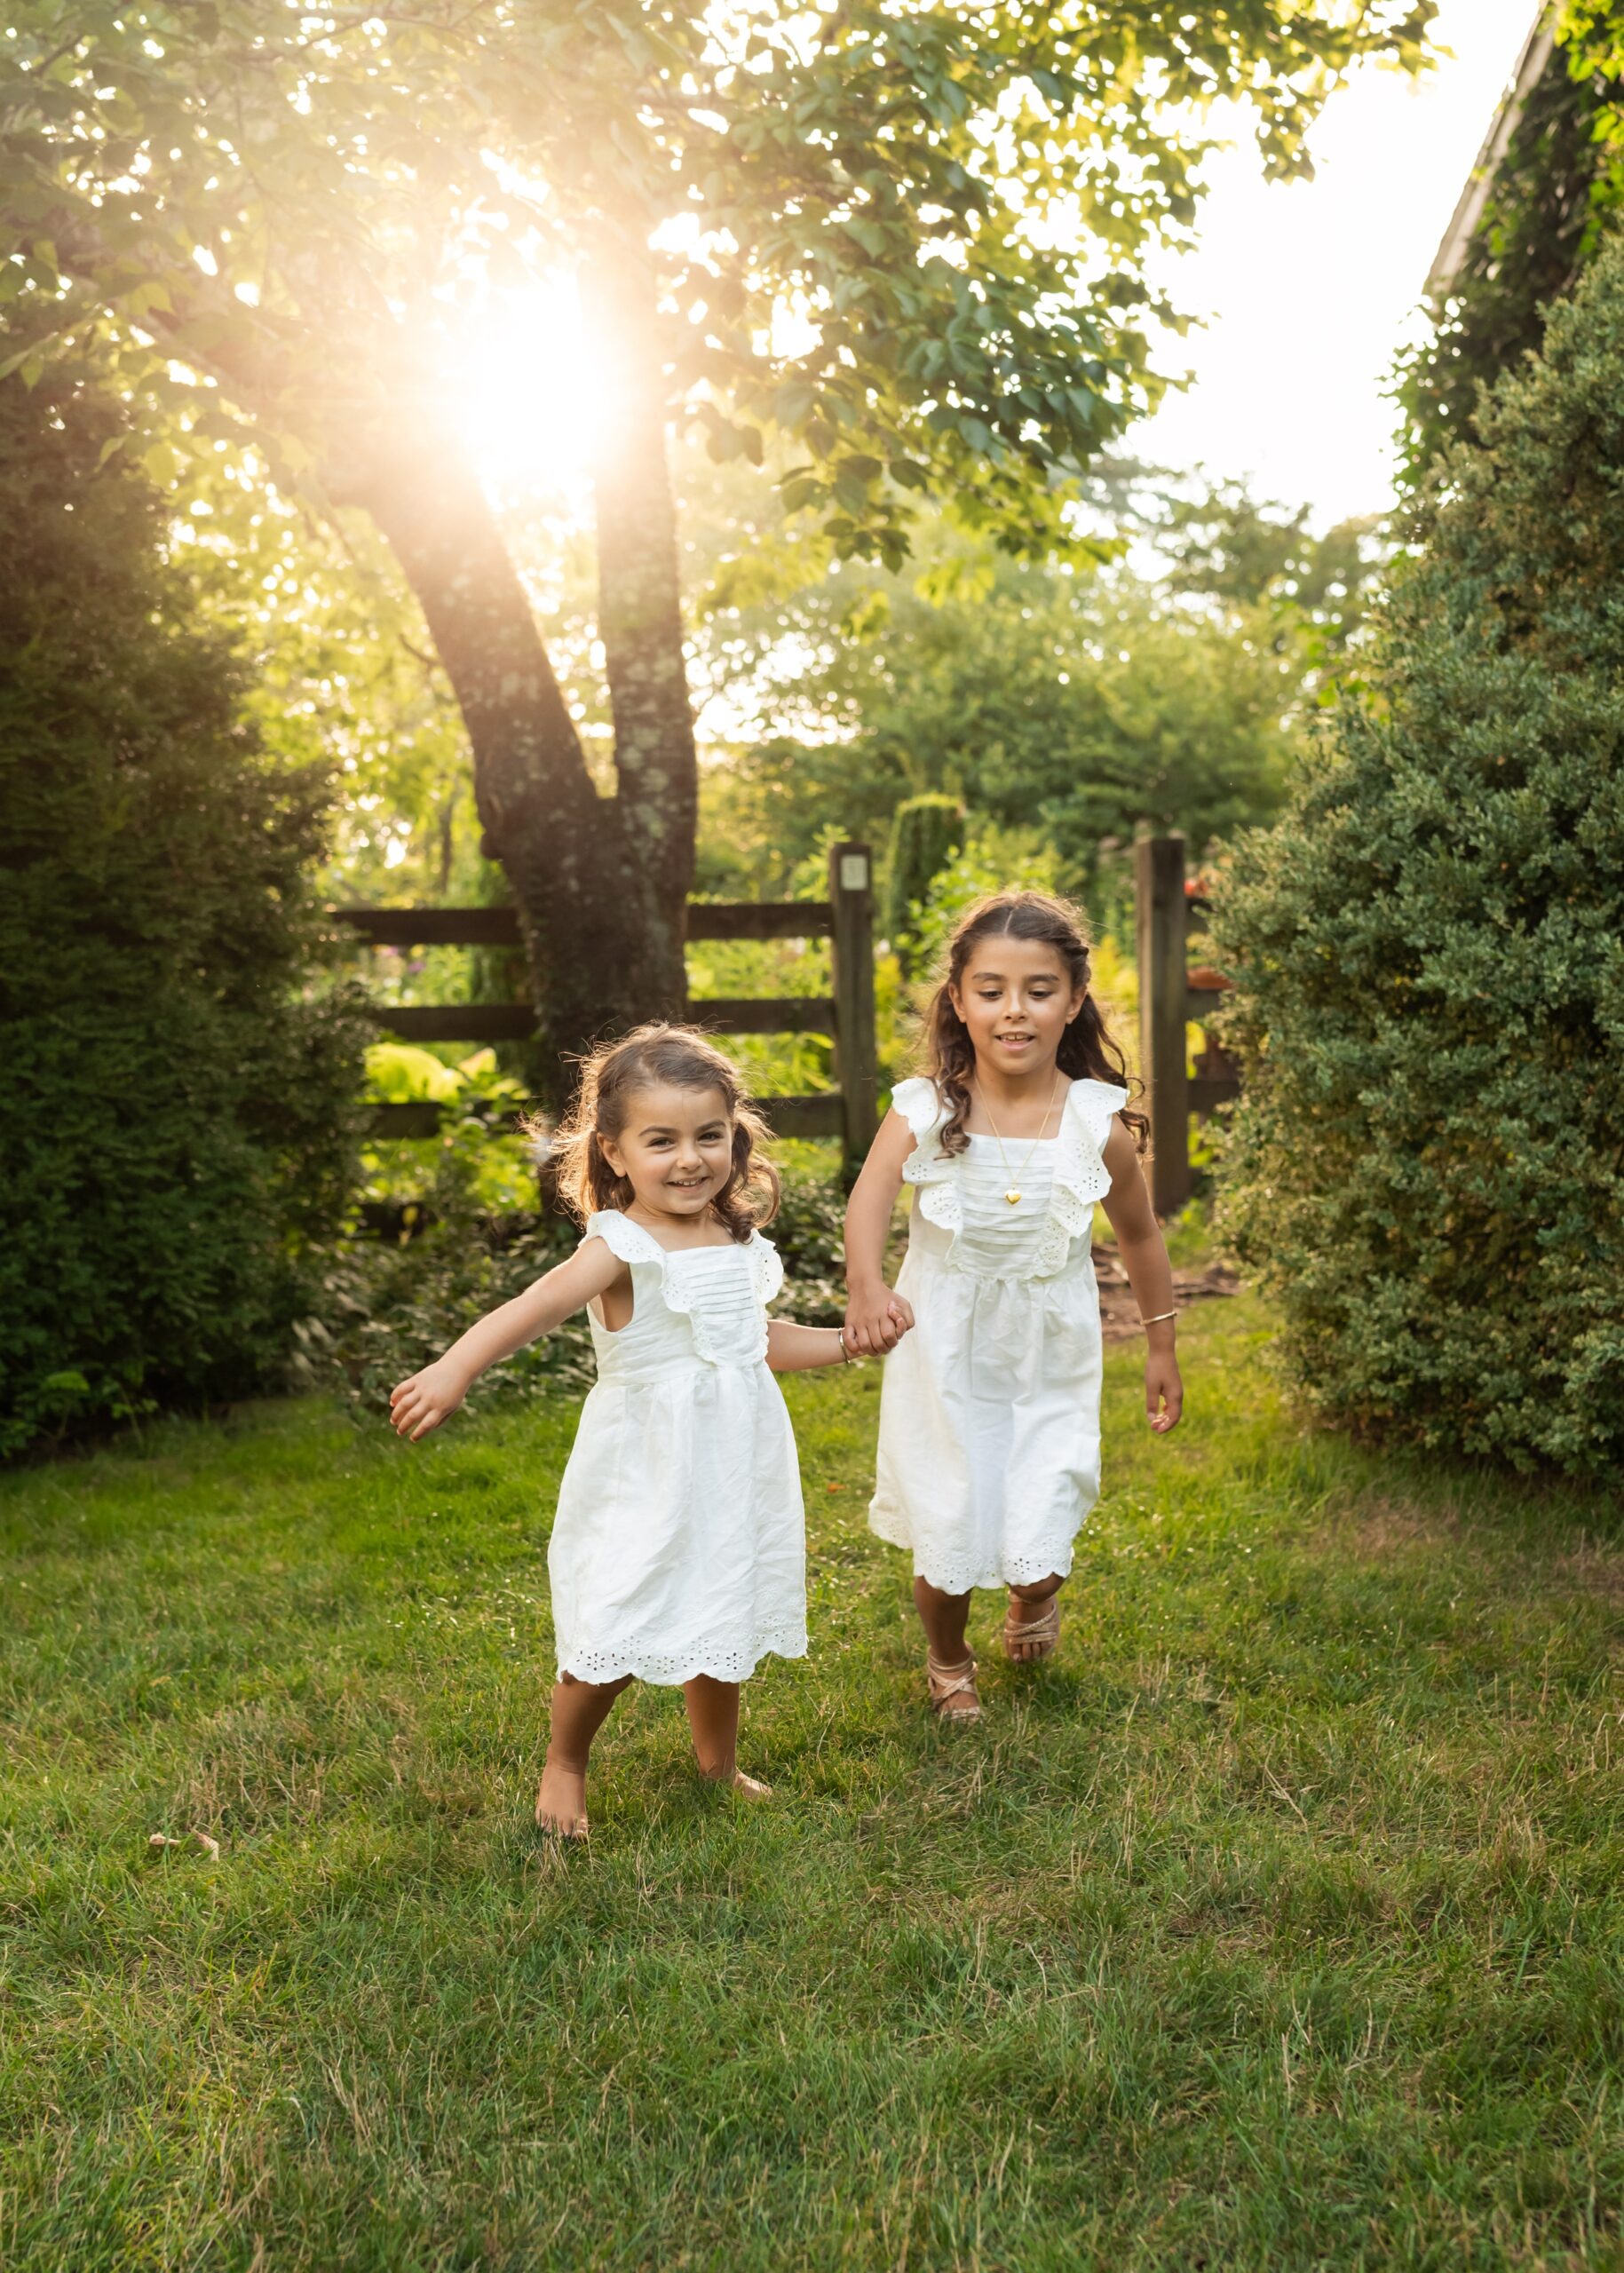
[1161,1318]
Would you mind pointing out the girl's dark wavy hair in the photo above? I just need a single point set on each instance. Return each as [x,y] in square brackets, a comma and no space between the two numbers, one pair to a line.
[1086,1051]
[683,1059]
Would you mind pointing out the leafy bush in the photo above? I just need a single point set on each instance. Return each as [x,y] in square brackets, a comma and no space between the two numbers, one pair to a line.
[1430,951]
[385,1308]
[177,1109]
[479,1165]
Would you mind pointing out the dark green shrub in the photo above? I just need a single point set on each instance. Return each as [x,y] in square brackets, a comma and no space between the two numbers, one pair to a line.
[385,1309]
[925,834]
[1428,1164]
[175,1114]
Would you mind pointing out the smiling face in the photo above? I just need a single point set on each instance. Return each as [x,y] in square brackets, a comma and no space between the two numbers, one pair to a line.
[675,1148]
[1017,998]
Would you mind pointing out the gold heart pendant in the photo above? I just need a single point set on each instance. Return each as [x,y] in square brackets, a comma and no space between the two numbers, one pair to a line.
[1012,1197]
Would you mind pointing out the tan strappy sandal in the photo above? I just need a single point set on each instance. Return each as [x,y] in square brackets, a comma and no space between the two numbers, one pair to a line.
[946,1682]
[1043,1631]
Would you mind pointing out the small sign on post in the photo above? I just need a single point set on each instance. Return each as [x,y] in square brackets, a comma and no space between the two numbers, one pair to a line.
[851,953]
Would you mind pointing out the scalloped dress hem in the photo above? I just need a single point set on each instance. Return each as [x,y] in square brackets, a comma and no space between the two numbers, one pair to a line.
[966,1577]
[666,1671]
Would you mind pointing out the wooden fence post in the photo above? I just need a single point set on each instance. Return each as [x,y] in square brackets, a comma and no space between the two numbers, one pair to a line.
[1164,991]
[851,955]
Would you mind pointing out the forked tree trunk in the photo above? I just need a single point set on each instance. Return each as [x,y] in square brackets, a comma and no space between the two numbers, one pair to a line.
[639,582]
[600,883]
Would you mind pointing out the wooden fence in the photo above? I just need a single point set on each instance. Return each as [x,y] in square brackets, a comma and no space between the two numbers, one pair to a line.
[845,919]
[1172,998]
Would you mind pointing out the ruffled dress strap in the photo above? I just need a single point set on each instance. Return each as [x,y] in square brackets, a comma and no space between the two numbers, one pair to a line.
[625,1240]
[1081,1177]
[935,1174]
[766,1269]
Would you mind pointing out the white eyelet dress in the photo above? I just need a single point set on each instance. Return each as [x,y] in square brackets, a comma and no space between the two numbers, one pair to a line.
[989,1410]
[680,1544]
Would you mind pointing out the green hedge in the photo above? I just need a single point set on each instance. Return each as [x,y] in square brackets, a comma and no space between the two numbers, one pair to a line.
[177,1108]
[1428,1164]
[926,833]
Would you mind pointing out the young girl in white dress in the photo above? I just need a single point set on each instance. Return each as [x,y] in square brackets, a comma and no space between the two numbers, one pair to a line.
[989,1412]
[678,1549]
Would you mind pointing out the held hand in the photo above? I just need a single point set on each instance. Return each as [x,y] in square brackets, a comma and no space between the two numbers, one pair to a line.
[1164,1392]
[423,1400]
[875,1321]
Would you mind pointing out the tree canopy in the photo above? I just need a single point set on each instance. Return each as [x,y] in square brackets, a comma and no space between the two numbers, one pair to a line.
[904,251]
[1084,702]
[911,240]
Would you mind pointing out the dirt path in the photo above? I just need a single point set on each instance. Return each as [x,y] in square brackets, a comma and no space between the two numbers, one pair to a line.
[1119,1313]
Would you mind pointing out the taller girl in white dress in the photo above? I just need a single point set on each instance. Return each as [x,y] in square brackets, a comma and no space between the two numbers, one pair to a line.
[678,1553]
[989,1414]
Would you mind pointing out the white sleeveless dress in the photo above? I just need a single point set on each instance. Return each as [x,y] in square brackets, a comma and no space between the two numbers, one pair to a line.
[679,1546]
[989,1410]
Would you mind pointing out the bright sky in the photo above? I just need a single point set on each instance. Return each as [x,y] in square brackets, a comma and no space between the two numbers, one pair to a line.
[1312,286]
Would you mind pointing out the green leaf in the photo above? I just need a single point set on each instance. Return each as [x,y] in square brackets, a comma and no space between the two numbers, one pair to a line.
[161,464]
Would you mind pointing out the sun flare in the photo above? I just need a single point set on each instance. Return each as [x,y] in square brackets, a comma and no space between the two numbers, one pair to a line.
[527,391]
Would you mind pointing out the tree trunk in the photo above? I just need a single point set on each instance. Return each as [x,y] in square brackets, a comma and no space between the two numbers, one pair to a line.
[640,582]
[599,883]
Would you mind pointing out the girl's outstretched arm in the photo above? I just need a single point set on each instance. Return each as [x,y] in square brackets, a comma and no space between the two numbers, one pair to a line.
[424,1400]
[794,1348]
[876,1319]
[1144,1258]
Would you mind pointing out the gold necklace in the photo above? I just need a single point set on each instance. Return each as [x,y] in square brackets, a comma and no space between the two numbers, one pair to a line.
[1013,1194]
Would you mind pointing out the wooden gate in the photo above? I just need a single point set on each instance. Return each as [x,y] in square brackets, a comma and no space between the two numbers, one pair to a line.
[845,919]
[1172,998]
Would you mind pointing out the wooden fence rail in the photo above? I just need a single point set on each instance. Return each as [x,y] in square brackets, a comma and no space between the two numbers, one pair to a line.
[1172,998]
[845,919]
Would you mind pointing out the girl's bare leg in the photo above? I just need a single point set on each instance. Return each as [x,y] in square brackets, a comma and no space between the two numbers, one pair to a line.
[945,1617]
[713,1719]
[579,1710]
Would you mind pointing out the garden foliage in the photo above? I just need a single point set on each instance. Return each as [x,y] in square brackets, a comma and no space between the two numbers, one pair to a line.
[925,834]
[176,1112]
[390,1306]
[1429,949]
[1550,196]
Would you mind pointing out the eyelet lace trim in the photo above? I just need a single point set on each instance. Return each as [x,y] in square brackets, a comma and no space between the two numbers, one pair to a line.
[723,1661]
[706,1299]
[959,1575]
[1081,1177]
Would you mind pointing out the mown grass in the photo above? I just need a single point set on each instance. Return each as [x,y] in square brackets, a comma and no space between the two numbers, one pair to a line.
[1278,1923]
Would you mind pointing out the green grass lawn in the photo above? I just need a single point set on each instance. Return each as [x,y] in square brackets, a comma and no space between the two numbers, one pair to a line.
[1276,1923]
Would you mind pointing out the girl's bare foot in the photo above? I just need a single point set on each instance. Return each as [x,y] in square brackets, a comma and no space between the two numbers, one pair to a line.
[748,1788]
[561,1802]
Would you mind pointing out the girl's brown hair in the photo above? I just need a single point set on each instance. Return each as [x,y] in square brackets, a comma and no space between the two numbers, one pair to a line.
[1086,1051]
[683,1059]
